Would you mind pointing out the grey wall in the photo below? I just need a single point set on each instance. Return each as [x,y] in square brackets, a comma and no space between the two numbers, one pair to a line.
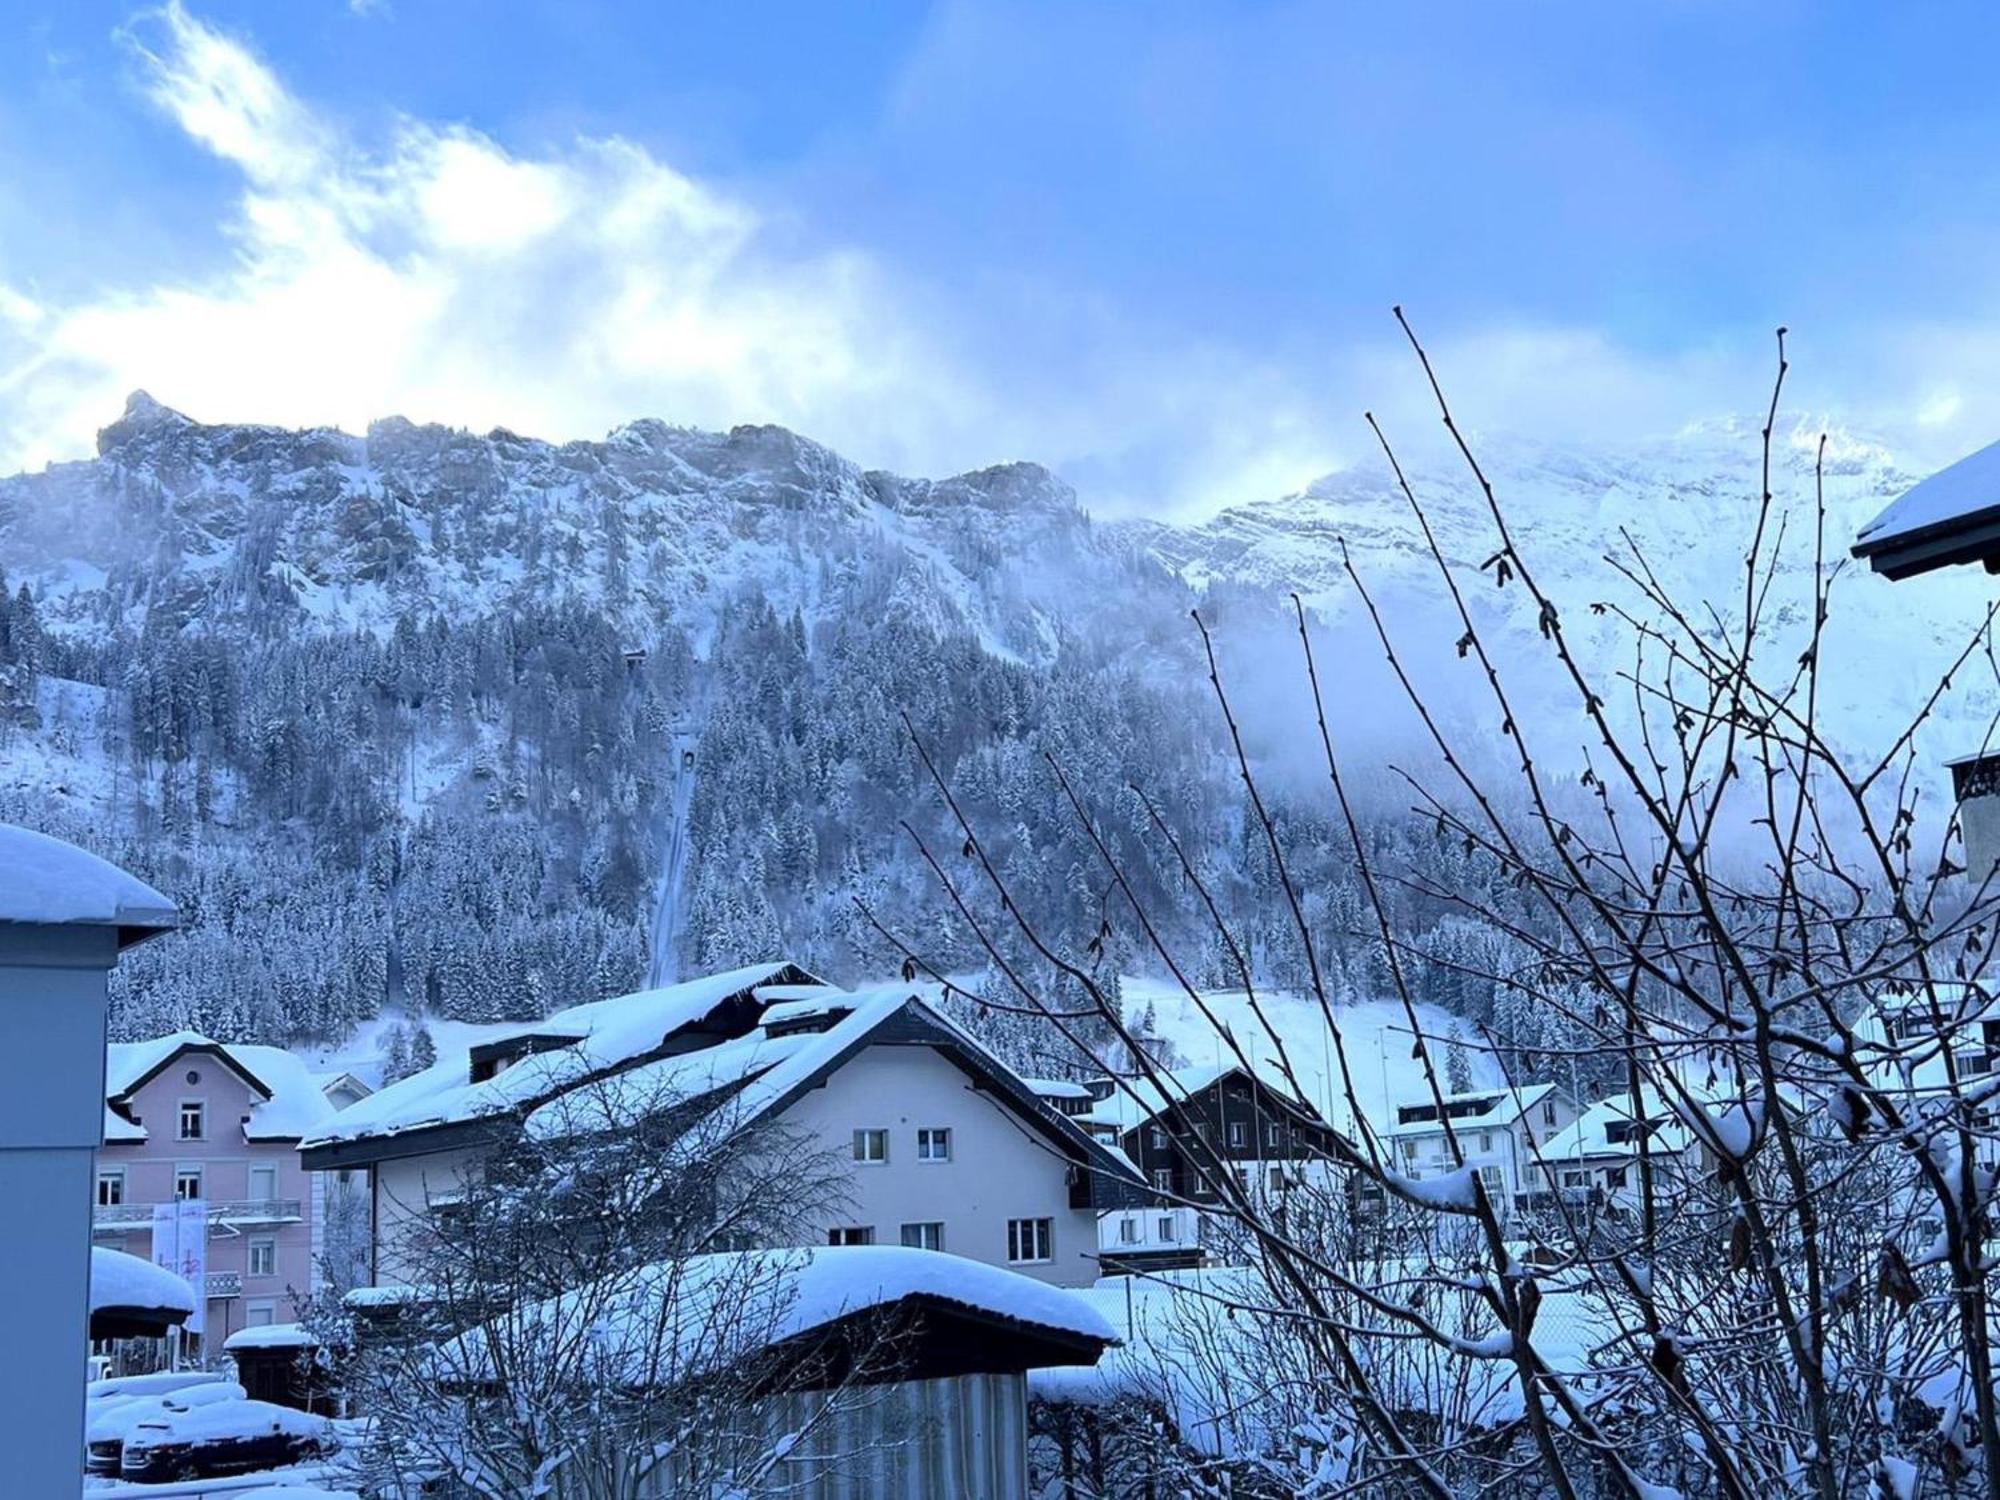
[52,1015]
[1000,1168]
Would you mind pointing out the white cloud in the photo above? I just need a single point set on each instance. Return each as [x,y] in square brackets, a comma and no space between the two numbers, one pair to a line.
[440,275]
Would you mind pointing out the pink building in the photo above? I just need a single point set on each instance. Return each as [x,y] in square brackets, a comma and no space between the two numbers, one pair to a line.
[186,1117]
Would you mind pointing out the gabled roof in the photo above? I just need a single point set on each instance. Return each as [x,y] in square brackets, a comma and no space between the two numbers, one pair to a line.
[688,1319]
[1952,517]
[764,1071]
[46,882]
[1136,1100]
[1485,1108]
[289,1100]
[587,1042]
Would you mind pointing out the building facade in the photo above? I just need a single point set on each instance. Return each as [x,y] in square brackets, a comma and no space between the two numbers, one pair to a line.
[939,1145]
[186,1117]
[1186,1130]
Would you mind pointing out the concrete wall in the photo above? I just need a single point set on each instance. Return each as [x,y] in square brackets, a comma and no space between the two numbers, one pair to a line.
[1000,1168]
[226,1160]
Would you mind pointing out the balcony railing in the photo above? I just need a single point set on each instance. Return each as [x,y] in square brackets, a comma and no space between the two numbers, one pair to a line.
[225,1284]
[123,1218]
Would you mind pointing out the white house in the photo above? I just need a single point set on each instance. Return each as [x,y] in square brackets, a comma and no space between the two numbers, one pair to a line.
[947,1148]
[1498,1130]
[1594,1161]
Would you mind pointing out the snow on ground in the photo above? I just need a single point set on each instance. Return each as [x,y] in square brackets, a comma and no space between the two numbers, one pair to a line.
[1375,1035]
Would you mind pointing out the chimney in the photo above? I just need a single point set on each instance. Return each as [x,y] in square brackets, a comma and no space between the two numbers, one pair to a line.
[1975,782]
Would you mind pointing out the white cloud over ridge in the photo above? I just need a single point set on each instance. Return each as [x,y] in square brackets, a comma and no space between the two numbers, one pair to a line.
[443,276]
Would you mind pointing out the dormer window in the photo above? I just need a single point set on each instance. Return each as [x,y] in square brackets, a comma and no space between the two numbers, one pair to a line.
[193,1120]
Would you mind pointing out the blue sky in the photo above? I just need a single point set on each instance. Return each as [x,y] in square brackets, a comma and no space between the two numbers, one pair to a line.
[1154,245]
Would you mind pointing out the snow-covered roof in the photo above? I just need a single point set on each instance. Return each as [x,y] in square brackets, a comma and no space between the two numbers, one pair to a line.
[293,1103]
[605,1034]
[1484,1108]
[678,1320]
[1057,1088]
[271,1336]
[1951,517]
[118,1280]
[1135,1100]
[761,1071]
[1587,1137]
[45,881]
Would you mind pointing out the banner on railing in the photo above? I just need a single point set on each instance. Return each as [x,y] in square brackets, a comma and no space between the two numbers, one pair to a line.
[180,1244]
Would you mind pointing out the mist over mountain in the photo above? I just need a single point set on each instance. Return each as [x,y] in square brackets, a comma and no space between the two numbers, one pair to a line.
[410,717]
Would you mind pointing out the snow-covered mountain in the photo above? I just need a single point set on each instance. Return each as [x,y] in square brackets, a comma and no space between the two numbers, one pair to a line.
[374,702]
[183,523]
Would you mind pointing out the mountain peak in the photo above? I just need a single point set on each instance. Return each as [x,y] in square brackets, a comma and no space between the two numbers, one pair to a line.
[142,415]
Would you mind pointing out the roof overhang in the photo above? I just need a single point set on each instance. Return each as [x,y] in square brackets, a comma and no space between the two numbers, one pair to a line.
[1973,538]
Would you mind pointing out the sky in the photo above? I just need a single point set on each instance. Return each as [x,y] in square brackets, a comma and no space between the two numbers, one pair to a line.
[1154,246]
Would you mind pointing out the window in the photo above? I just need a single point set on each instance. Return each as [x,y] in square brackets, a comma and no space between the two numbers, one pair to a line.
[1277,1178]
[193,1120]
[1614,1177]
[259,1315]
[871,1146]
[111,1188]
[1156,1137]
[1549,1112]
[1163,1179]
[933,1145]
[1239,1133]
[1030,1241]
[928,1236]
[264,1257]
[853,1234]
[1271,1133]
[1243,1180]
[187,1182]
[1574,1179]
[263,1184]
[1128,1230]
[1485,1140]
[1167,1228]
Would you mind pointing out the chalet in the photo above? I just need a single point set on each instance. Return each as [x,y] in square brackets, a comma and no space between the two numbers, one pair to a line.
[189,1118]
[1498,1131]
[1182,1128]
[948,1148]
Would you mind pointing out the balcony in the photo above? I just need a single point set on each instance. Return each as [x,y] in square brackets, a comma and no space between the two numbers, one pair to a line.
[225,1284]
[232,1214]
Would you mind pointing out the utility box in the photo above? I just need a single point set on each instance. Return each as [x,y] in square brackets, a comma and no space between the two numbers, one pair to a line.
[65,916]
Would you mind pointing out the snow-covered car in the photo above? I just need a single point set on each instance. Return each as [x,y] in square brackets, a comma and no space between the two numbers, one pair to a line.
[109,1420]
[222,1437]
[159,1383]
